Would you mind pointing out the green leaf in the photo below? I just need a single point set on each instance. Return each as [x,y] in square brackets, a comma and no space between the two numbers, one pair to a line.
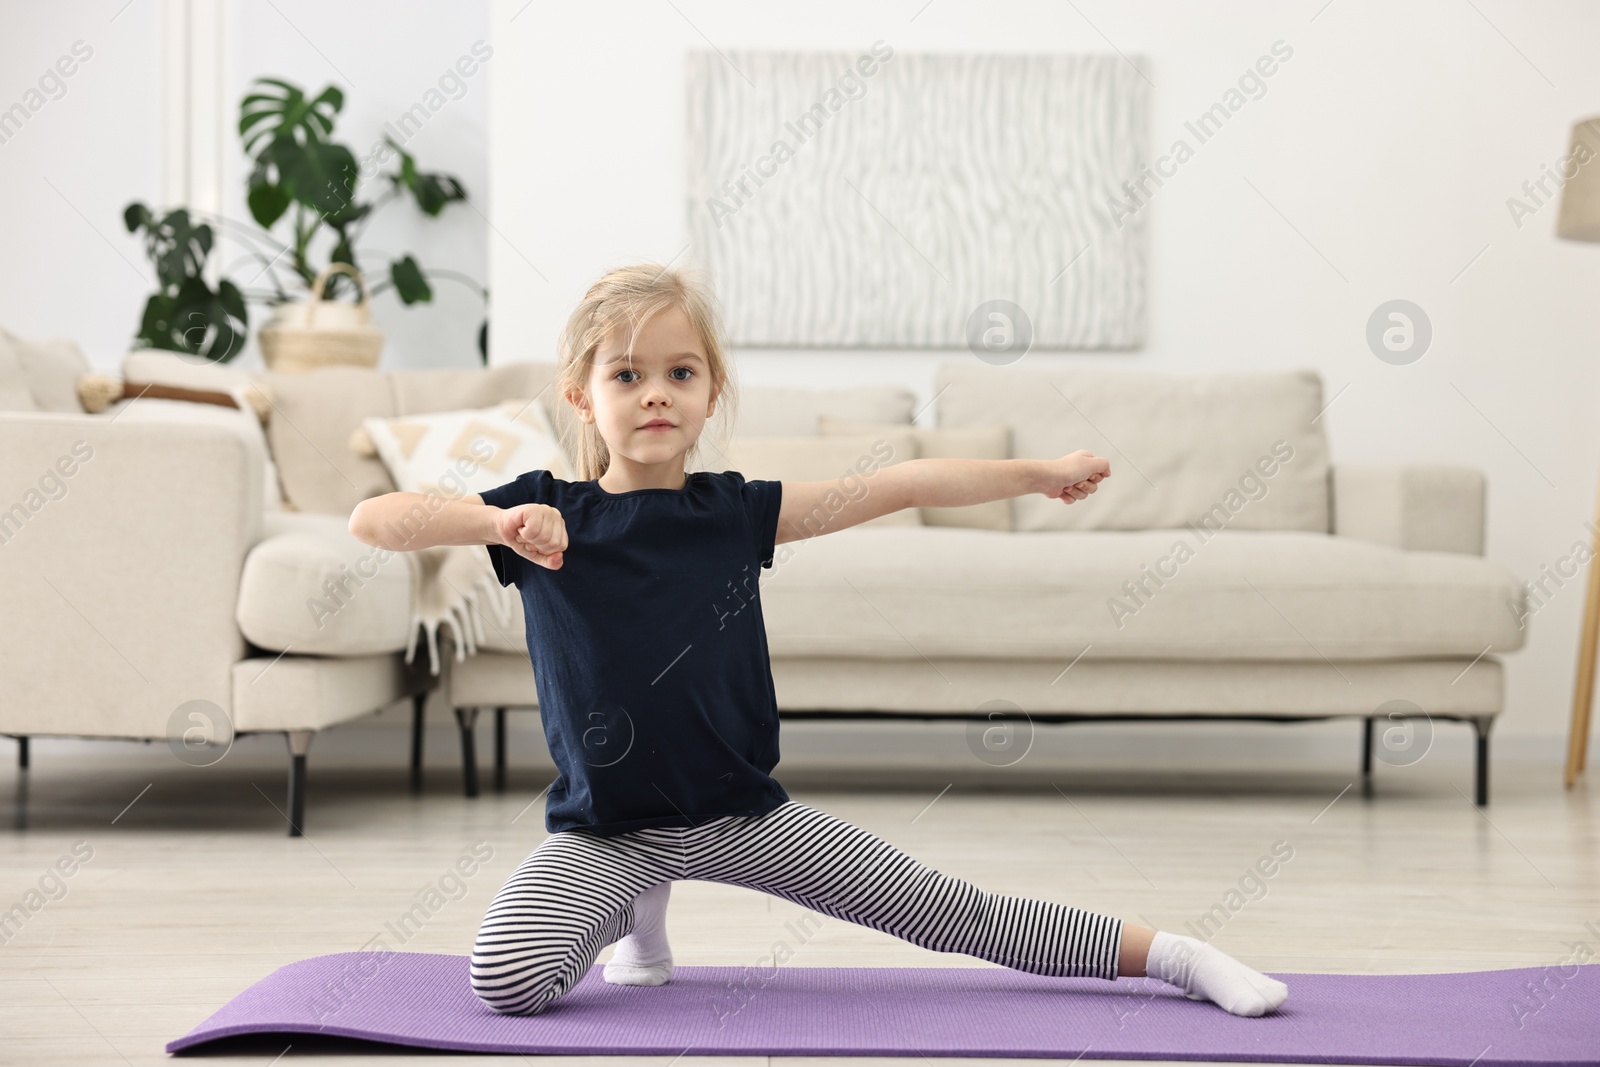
[286,115]
[431,190]
[280,83]
[232,301]
[349,215]
[268,202]
[434,191]
[332,97]
[336,166]
[248,118]
[409,281]
[153,324]
[135,215]
[201,322]
[319,175]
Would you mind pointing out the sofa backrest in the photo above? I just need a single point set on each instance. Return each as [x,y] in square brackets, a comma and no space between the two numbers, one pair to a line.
[40,375]
[314,413]
[1234,450]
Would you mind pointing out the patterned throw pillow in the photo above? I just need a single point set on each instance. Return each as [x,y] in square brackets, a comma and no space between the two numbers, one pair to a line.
[457,453]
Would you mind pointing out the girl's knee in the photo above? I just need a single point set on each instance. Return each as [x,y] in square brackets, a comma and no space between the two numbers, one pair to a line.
[516,992]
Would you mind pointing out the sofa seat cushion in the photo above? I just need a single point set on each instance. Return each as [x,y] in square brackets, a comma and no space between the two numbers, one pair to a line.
[921,591]
[309,587]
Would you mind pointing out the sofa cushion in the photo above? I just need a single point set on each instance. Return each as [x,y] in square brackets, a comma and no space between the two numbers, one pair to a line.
[315,411]
[823,459]
[458,452]
[783,411]
[1237,594]
[49,369]
[310,587]
[977,442]
[1437,507]
[1241,451]
[15,395]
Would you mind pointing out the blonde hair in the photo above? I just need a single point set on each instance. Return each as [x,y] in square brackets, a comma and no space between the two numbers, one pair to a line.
[624,299]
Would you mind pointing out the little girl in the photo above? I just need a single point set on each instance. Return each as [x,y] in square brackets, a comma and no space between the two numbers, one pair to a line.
[644,628]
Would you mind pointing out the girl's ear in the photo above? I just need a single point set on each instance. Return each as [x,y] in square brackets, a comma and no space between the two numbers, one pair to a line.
[580,403]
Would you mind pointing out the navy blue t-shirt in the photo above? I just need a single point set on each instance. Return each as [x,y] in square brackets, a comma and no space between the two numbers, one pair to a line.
[649,650]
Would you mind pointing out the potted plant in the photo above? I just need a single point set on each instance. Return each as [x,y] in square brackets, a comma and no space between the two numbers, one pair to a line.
[302,179]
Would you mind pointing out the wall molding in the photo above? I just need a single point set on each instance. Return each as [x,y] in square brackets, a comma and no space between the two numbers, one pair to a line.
[195,126]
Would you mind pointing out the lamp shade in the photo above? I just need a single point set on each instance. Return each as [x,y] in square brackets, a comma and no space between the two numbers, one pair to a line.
[1580,195]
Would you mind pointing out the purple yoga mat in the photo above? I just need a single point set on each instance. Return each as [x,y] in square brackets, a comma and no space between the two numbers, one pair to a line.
[1482,1018]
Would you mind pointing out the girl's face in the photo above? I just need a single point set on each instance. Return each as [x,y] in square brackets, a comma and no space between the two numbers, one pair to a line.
[664,380]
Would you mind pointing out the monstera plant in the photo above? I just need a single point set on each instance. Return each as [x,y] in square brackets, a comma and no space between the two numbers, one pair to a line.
[301,180]
[185,314]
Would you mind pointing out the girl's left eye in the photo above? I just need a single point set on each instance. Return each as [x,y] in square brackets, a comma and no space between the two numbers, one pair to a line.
[629,371]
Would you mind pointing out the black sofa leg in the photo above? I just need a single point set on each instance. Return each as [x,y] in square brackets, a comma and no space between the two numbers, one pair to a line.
[1480,726]
[499,750]
[1366,747]
[468,719]
[419,703]
[299,745]
[21,817]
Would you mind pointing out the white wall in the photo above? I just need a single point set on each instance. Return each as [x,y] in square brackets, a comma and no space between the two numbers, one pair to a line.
[1377,165]
[68,267]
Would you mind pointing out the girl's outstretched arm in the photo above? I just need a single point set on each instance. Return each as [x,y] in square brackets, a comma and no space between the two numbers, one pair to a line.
[406,522]
[811,508]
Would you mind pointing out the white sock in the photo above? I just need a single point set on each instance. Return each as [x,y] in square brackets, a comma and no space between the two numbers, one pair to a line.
[644,957]
[1204,972]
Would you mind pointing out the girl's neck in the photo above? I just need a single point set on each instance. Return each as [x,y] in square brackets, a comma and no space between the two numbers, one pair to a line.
[624,475]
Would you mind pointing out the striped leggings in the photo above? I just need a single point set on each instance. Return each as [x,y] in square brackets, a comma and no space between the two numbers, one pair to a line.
[573,896]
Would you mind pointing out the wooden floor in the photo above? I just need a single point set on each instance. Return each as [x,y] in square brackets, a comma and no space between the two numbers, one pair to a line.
[193,892]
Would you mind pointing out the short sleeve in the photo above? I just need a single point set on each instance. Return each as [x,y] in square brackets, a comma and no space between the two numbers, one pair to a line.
[532,487]
[762,500]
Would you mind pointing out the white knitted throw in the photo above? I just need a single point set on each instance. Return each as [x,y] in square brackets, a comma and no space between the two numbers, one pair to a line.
[455,586]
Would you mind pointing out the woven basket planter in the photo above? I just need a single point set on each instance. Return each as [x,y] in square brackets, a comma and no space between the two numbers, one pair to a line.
[322,333]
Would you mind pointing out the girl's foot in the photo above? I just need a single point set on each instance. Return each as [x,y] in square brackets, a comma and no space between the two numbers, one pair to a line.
[644,957]
[1207,973]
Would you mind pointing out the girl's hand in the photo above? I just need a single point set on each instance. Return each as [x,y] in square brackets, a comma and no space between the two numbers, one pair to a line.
[1075,475]
[535,532]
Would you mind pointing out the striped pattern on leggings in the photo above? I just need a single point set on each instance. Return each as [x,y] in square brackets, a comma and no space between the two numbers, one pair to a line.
[573,896]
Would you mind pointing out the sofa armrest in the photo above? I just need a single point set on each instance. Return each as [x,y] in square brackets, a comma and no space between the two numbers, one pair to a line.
[1432,507]
[121,545]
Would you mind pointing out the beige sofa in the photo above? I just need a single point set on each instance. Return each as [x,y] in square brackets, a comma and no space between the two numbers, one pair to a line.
[1315,591]
[1306,590]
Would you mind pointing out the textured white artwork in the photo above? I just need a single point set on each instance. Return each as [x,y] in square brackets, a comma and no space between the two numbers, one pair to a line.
[880,198]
